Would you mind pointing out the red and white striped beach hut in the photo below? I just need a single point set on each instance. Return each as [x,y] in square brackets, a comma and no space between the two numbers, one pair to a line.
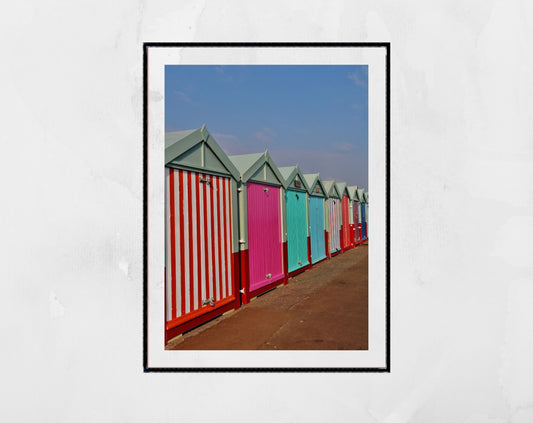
[354,215]
[201,231]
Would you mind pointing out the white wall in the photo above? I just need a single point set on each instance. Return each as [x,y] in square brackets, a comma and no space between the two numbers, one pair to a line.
[71,166]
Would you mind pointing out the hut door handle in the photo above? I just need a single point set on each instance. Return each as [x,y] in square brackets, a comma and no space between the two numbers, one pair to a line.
[210,301]
[269,276]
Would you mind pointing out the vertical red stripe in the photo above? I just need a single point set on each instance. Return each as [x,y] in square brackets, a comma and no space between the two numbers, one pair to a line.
[226,235]
[191,252]
[226,239]
[219,269]
[206,244]
[198,242]
[172,242]
[229,243]
[212,270]
[182,243]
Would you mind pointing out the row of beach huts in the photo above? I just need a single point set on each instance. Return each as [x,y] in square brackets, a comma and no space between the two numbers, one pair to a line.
[238,226]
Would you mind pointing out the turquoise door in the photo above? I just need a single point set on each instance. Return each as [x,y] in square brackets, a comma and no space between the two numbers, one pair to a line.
[316,221]
[296,229]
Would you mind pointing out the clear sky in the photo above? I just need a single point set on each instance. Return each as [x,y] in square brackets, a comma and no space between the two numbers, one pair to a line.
[313,116]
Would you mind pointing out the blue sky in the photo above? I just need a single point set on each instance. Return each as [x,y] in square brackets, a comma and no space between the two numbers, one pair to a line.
[313,116]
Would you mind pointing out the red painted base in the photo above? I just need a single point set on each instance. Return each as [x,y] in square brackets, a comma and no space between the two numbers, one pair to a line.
[197,320]
[244,275]
[236,257]
[285,262]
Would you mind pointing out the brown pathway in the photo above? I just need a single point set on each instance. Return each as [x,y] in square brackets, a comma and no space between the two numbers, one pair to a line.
[324,308]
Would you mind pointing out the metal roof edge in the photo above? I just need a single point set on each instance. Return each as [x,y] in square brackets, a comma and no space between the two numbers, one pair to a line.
[221,155]
[275,169]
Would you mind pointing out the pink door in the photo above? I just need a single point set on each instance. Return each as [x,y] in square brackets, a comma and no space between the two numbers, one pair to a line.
[265,251]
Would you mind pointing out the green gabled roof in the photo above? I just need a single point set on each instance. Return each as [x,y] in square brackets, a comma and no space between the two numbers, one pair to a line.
[332,189]
[366,197]
[352,190]
[343,189]
[313,180]
[360,192]
[290,173]
[196,149]
[174,137]
[287,171]
[250,165]
[243,162]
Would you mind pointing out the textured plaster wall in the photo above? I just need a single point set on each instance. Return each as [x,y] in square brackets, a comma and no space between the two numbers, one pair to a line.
[462,207]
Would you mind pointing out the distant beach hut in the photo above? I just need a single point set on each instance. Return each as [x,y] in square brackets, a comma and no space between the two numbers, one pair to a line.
[354,215]
[366,214]
[361,197]
[201,229]
[346,231]
[297,218]
[261,224]
[317,217]
[334,217]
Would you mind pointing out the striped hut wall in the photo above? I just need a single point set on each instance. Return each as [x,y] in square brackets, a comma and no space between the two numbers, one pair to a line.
[363,221]
[334,224]
[198,242]
[356,220]
[337,223]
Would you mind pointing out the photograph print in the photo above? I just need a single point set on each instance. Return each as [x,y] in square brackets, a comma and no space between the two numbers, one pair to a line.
[265,210]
